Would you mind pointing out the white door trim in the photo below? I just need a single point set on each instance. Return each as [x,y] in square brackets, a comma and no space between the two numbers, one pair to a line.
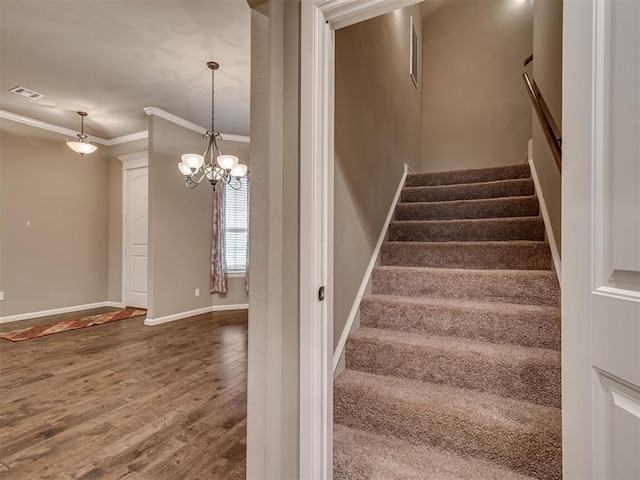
[319,19]
[129,162]
[134,160]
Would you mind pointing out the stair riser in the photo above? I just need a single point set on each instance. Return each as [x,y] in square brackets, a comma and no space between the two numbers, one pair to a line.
[489,286]
[530,449]
[536,381]
[468,230]
[530,327]
[469,176]
[527,449]
[491,208]
[479,256]
[359,455]
[507,188]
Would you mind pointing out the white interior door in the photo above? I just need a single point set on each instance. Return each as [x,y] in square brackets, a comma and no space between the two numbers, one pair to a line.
[136,236]
[616,296]
[601,240]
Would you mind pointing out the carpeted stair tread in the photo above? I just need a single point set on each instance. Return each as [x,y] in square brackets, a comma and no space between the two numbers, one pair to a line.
[525,373]
[534,287]
[477,208]
[525,255]
[520,435]
[455,370]
[469,191]
[475,175]
[527,325]
[360,455]
[468,230]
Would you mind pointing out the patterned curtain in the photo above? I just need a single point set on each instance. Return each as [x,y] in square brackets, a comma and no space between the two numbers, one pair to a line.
[218,259]
[246,275]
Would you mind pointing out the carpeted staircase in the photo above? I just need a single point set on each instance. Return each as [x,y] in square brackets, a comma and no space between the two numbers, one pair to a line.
[454,372]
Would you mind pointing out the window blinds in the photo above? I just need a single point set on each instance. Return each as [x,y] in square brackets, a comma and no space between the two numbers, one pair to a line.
[236,223]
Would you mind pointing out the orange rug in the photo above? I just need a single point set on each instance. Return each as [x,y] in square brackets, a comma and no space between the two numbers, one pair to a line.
[43,330]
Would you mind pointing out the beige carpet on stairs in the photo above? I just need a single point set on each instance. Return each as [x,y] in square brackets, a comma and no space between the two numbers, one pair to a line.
[454,372]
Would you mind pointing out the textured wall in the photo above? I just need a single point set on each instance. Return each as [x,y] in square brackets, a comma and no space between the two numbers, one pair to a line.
[377,130]
[273,379]
[475,108]
[60,258]
[547,72]
[180,226]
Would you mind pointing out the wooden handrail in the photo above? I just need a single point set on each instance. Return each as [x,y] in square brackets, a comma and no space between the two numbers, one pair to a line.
[549,126]
[528,60]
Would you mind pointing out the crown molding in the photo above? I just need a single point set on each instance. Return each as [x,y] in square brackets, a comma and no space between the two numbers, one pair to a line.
[256,3]
[31,122]
[342,13]
[50,127]
[230,137]
[134,160]
[46,126]
[128,138]
[170,117]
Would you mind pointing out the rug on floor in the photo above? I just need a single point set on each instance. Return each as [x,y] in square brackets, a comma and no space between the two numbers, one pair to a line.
[43,330]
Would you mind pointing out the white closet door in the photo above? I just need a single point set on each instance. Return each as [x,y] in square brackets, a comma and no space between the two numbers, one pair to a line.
[136,236]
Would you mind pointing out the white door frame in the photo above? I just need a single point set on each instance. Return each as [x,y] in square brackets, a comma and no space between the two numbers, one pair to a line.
[129,162]
[319,19]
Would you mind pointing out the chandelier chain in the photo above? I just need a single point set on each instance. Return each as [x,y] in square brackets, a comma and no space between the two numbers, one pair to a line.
[213,76]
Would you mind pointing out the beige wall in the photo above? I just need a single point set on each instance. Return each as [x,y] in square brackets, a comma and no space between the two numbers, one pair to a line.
[547,72]
[60,259]
[377,130]
[71,254]
[475,109]
[180,226]
[274,319]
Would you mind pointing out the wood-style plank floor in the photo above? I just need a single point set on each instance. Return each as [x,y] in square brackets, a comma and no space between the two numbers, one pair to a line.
[122,400]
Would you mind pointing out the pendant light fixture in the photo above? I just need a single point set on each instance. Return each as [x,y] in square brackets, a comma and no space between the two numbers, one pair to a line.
[225,168]
[82,145]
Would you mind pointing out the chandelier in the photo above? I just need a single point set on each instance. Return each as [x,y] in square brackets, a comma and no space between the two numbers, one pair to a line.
[82,145]
[225,168]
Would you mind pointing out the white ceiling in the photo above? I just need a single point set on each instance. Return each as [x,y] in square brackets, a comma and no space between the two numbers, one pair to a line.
[112,58]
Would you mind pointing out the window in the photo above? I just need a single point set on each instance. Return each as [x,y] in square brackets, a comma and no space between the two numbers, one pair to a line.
[236,227]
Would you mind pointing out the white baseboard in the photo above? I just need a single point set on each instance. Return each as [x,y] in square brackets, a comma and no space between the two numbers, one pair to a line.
[337,354]
[555,253]
[192,313]
[56,311]
[115,304]
[342,365]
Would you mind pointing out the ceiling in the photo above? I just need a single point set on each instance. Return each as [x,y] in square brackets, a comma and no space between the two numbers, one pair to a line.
[112,58]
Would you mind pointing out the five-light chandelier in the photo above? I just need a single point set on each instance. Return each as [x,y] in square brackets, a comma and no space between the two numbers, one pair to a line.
[225,168]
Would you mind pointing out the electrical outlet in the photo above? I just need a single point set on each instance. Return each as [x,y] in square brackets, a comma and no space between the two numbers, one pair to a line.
[1,296]
[197,292]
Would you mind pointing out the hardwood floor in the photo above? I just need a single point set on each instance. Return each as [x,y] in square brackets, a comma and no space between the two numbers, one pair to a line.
[122,400]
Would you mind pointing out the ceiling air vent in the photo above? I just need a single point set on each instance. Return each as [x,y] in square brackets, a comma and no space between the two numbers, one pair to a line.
[25,92]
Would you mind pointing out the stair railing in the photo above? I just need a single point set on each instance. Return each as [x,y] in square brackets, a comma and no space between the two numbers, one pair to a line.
[528,60]
[549,126]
